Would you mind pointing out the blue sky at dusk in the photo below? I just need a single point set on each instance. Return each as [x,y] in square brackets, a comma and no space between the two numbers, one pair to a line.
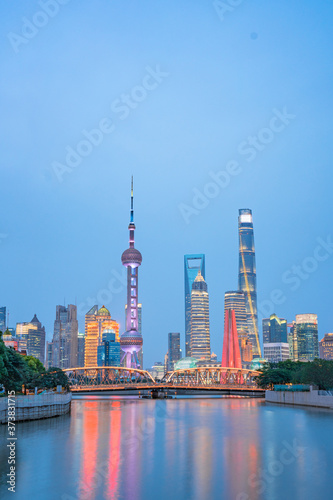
[180,94]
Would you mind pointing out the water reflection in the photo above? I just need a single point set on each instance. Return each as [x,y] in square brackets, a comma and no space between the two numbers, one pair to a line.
[181,449]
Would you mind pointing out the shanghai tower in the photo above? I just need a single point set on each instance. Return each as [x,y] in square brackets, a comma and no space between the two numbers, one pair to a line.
[247,276]
[131,341]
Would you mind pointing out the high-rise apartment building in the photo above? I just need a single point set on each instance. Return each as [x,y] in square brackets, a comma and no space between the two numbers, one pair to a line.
[200,333]
[235,300]
[65,337]
[247,276]
[326,347]
[96,322]
[174,352]
[307,336]
[192,264]
[3,321]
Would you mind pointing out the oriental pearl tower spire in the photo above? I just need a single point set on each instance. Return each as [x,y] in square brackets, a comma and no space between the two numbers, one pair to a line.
[131,341]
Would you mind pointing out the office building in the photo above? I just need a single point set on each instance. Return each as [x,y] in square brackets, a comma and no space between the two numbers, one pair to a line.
[96,322]
[157,370]
[200,334]
[326,347]
[276,351]
[192,264]
[274,329]
[108,352]
[307,337]
[247,276]
[65,337]
[48,358]
[31,338]
[292,340]
[174,352]
[80,349]
[3,319]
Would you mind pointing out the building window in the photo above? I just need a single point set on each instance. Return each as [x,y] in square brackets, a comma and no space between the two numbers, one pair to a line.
[133,281]
[133,302]
[133,294]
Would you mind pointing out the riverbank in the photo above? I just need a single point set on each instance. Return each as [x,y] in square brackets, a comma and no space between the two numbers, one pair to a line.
[309,398]
[35,407]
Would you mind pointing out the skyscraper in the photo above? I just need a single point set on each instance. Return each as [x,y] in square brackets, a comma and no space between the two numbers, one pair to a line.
[307,336]
[200,334]
[36,340]
[192,264]
[174,352]
[31,338]
[131,340]
[235,300]
[108,352]
[80,349]
[65,337]
[96,322]
[2,319]
[326,347]
[274,329]
[247,275]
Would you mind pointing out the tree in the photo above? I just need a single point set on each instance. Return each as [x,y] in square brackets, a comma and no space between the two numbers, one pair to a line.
[319,372]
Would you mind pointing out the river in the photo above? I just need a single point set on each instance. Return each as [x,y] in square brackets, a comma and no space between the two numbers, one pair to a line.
[190,448]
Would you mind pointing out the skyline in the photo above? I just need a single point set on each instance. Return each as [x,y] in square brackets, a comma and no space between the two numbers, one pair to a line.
[223,82]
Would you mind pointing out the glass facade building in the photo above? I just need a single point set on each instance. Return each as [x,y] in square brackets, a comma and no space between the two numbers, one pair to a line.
[247,276]
[65,337]
[274,329]
[276,351]
[96,322]
[2,319]
[200,334]
[108,352]
[31,338]
[307,337]
[174,352]
[192,264]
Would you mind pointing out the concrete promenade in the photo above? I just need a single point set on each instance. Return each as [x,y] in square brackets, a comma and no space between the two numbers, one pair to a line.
[309,398]
[35,407]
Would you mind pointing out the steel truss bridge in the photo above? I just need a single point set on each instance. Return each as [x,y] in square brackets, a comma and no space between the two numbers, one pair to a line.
[113,380]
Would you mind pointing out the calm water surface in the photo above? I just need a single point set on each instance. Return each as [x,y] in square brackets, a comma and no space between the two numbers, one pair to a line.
[237,449]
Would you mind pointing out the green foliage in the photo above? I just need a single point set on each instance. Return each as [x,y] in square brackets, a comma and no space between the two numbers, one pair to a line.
[318,372]
[17,370]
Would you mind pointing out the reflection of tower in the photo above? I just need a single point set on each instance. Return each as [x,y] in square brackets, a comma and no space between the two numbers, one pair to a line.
[231,357]
[192,263]
[247,275]
[131,340]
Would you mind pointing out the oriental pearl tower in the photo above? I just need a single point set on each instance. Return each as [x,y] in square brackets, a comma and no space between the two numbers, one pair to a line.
[131,341]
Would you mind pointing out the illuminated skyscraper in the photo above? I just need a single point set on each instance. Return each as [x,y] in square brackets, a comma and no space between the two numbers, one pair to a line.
[200,334]
[96,322]
[192,263]
[247,276]
[80,349]
[131,340]
[307,336]
[274,329]
[326,347]
[65,337]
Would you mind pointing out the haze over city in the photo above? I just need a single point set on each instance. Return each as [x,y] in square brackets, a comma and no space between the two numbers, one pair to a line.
[211,90]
